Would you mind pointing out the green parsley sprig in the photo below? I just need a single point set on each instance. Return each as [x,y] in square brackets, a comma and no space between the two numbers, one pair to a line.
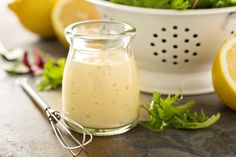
[52,74]
[166,112]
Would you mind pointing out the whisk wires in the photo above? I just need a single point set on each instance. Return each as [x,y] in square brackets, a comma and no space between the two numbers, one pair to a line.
[57,122]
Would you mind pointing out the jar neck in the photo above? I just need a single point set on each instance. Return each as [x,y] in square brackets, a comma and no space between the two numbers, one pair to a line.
[99,35]
[96,45]
[101,57]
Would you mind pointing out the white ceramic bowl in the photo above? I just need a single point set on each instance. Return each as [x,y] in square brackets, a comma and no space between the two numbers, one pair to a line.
[174,49]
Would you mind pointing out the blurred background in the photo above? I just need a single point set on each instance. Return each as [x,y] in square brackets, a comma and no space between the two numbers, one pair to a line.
[10,26]
[44,20]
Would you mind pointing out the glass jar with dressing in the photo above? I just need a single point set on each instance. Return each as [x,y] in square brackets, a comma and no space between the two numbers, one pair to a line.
[100,87]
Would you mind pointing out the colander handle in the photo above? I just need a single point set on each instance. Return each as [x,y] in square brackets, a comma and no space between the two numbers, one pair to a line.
[230,16]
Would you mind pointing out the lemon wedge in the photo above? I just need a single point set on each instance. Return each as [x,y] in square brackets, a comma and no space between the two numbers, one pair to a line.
[224,73]
[34,15]
[66,12]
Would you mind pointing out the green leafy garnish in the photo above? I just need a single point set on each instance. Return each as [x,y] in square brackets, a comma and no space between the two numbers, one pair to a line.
[214,3]
[167,112]
[13,54]
[52,74]
[17,68]
[21,62]
[177,4]
[162,4]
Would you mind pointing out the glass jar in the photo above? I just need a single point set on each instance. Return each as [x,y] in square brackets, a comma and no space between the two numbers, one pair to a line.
[100,87]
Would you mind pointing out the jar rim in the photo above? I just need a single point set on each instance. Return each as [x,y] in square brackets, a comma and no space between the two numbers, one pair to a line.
[127,30]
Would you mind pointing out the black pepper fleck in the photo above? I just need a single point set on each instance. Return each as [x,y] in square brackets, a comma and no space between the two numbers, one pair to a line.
[87,116]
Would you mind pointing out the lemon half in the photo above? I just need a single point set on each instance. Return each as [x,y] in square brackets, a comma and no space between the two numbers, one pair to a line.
[224,73]
[66,12]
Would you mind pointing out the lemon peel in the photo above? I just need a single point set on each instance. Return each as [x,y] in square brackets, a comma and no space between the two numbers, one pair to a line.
[34,16]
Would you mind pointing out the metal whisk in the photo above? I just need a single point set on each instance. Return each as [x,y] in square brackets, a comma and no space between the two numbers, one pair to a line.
[58,121]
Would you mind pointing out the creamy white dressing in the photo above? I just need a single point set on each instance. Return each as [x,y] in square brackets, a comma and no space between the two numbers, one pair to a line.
[101,93]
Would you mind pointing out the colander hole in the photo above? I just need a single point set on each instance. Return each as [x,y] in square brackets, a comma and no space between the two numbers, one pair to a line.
[186,40]
[163,29]
[195,54]
[175,56]
[175,35]
[155,53]
[232,32]
[175,27]
[175,46]
[195,35]
[152,44]
[186,60]
[163,51]
[186,29]
[186,51]
[163,40]
[163,60]
[155,35]
[175,63]
[198,44]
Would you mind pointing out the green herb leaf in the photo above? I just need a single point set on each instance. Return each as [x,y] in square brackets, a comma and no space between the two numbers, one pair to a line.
[13,54]
[177,4]
[167,112]
[17,68]
[215,3]
[52,74]
[161,4]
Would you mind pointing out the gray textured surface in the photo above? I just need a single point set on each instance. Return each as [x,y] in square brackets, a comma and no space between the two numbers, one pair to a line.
[24,132]
[216,141]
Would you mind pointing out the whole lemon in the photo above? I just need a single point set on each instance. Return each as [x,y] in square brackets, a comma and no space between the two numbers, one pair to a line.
[35,16]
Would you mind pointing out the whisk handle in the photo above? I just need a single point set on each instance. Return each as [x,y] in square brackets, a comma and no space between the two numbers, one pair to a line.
[34,95]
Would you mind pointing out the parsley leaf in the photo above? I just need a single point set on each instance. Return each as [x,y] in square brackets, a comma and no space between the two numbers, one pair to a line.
[52,74]
[166,112]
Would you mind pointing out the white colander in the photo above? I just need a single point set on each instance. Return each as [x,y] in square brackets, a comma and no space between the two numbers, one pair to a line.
[174,50]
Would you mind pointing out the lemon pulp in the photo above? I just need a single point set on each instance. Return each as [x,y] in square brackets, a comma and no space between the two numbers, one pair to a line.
[66,12]
[224,73]
[231,60]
